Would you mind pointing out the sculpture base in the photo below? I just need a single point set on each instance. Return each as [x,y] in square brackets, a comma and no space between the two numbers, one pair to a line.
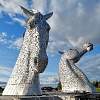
[56,96]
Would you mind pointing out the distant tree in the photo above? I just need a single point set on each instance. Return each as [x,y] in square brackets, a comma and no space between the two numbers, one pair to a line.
[1,89]
[59,86]
[96,83]
[93,82]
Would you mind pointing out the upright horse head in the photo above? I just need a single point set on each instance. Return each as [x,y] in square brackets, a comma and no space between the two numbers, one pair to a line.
[32,58]
[38,27]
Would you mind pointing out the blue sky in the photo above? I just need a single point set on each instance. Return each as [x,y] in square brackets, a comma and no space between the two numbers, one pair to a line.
[73,23]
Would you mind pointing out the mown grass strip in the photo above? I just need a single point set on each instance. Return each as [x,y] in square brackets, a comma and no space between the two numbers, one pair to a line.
[97,89]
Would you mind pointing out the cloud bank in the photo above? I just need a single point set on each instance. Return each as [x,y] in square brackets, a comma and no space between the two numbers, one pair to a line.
[73,21]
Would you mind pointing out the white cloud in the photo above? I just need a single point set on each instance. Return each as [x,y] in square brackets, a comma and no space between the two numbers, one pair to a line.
[5,73]
[3,36]
[91,66]
[16,43]
[12,8]
[49,78]
[73,22]
[21,21]
[9,69]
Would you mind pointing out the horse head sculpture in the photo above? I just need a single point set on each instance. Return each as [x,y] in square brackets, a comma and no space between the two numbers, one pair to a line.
[32,58]
[71,77]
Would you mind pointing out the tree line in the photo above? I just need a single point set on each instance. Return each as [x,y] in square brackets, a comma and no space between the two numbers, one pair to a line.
[96,84]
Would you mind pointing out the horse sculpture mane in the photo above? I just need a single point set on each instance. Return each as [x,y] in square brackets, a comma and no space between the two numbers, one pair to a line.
[32,59]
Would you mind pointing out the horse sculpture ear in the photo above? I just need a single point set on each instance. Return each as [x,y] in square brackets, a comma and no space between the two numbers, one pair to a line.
[26,11]
[47,16]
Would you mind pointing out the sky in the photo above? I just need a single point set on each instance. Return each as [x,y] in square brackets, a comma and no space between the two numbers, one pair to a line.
[73,22]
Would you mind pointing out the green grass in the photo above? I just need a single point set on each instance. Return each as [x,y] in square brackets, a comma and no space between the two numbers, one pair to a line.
[97,89]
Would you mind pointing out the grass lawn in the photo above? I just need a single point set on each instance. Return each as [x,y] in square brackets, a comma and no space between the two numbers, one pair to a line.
[97,89]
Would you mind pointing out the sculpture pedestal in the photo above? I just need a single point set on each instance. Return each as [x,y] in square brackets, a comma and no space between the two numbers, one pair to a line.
[56,96]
